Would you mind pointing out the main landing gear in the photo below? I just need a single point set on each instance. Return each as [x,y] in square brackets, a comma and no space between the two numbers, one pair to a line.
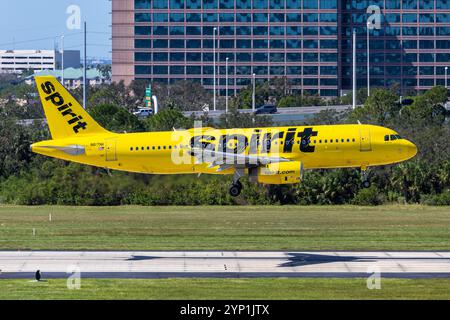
[236,188]
[365,180]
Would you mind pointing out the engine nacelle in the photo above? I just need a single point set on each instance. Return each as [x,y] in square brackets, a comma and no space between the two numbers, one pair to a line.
[281,173]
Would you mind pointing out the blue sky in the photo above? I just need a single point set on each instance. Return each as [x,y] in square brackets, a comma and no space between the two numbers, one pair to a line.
[23,22]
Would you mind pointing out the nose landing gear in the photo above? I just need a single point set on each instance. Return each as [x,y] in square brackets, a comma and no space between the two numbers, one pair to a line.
[366,184]
[365,180]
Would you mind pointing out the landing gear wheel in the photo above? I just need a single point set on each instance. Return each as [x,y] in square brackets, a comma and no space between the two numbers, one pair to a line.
[236,187]
[365,180]
[366,184]
[235,190]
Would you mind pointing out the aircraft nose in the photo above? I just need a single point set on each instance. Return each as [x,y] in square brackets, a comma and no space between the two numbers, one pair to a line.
[411,149]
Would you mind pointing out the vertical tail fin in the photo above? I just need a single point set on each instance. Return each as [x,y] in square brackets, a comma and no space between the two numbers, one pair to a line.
[64,114]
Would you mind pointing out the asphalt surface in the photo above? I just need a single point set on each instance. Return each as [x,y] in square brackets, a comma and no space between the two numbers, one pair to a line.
[311,110]
[283,114]
[223,264]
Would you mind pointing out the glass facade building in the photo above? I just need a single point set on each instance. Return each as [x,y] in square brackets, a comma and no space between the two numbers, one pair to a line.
[411,49]
[308,42]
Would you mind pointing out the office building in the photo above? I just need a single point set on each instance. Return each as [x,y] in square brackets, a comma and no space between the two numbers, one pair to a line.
[308,42]
[18,61]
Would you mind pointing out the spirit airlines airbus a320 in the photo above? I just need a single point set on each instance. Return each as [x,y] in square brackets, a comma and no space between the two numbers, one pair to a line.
[274,155]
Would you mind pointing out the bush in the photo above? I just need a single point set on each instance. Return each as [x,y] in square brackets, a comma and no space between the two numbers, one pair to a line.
[442,199]
[368,197]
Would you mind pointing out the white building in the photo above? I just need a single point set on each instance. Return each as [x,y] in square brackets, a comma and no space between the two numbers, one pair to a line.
[17,61]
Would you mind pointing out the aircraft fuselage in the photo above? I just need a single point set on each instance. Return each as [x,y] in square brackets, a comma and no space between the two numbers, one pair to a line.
[331,146]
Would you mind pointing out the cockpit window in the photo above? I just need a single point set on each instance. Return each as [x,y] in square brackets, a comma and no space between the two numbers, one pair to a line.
[392,137]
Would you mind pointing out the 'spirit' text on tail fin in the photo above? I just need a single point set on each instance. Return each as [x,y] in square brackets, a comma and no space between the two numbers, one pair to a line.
[64,114]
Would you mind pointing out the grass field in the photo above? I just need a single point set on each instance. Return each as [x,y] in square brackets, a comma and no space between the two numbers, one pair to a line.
[226,228]
[228,289]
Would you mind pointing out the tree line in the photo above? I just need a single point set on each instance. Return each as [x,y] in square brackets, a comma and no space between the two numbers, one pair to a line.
[29,179]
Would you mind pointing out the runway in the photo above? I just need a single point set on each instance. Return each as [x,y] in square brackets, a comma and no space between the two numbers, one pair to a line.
[223,264]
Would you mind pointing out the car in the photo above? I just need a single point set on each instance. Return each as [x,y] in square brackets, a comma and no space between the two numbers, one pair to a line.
[266,109]
[407,102]
[143,112]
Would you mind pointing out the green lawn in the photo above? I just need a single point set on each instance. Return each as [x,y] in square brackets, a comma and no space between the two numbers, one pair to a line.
[226,228]
[228,289]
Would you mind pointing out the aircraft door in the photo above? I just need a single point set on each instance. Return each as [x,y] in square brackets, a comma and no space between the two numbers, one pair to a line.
[111,150]
[365,141]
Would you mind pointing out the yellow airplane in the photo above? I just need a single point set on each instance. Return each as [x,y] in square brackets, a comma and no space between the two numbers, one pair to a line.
[274,155]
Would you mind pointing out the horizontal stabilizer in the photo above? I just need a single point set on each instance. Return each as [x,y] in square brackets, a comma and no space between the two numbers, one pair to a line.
[73,150]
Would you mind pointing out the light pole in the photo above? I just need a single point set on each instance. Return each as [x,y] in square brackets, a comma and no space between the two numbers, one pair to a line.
[214,54]
[226,84]
[254,93]
[354,69]
[446,72]
[62,59]
[85,81]
[368,58]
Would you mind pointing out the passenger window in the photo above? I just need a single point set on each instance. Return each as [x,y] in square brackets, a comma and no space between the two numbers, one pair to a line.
[386,138]
[393,137]
[131,149]
[354,140]
[326,140]
[348,140]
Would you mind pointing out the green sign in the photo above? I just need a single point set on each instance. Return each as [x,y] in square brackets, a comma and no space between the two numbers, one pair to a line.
[148,97]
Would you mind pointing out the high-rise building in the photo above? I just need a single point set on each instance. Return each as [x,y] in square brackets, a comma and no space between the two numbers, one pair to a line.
[307,42]
[411,48]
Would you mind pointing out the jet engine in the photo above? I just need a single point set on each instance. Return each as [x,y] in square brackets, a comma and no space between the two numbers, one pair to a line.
[278,173]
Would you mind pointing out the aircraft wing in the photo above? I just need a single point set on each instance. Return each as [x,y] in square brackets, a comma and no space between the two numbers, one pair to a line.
[225,160]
